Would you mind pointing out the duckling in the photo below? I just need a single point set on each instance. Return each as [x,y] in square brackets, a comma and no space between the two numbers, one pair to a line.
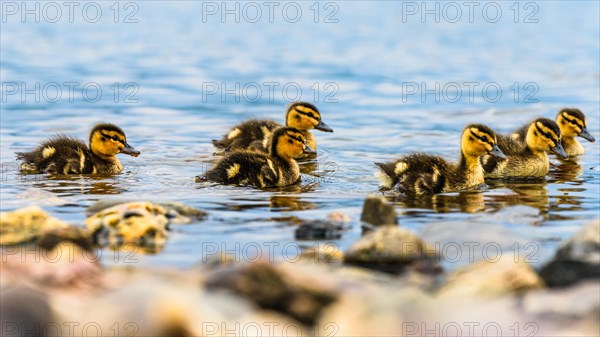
[572,124]
[529,159]
[66,155]
[260,170]
[422,174]
[254,134]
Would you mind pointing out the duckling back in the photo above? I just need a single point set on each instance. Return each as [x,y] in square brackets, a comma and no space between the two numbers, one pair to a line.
[60,155]
[255,169]
[415,174]
[248,135]
[520,134]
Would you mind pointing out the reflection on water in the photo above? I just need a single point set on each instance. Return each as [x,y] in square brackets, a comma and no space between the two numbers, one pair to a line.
[521,192]
[566,171]
[80,184]
[369,56]
[290,202]
[468,202]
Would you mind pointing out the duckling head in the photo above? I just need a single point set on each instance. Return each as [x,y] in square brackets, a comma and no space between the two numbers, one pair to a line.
[572,124]
[477,140]
[288,142]
[107,140]
[544,135]
[305,116]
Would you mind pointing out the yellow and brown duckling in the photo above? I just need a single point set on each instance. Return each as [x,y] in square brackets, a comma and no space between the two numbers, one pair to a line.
[572,124]
[254,134]
[422,174]
[261,170]
[529,159]
[66,155]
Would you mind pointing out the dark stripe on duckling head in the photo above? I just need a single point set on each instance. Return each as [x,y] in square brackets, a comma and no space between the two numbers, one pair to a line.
[304,108]
[115,138]
[106,127]
[571,114]
[577,121]
[297,137]
[548,128]
[488,136]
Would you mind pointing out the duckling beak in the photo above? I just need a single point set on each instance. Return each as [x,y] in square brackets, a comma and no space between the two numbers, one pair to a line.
[496,152]
[308,150]
[323,127]
[559,150]
[128,149]
[585,134]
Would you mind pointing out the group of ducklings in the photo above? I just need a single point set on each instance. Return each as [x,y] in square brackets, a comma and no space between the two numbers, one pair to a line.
[263,153]
[522,154]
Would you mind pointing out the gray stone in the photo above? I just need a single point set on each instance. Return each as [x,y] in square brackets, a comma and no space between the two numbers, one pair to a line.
[576,259]
[178,213]
[390,245]
[377,211]
[492,278]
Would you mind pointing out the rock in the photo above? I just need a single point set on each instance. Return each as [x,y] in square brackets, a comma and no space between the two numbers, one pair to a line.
[65,266]
[319,230]
[382,312]
[377,211]
[267,323]
[576,259]
[26,224]
[25,312]
[76,235]
[143,304]
[579,300]
[490,278]
[338,217]
[141,224]
[179,213]
[323,253]
[329,229]
[272,287]
[391,245]
[176,212]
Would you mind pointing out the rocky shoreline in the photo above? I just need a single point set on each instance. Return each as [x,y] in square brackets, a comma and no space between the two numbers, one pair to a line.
[388,283]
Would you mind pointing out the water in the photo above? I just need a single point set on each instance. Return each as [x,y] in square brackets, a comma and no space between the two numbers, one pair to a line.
[174,66]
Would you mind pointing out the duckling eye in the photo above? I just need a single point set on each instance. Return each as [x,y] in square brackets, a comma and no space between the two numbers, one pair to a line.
[114,138]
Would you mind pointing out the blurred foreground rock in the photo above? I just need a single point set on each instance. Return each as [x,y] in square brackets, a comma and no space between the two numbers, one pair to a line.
[58,264]
[378,211]
[55,285]
[176,212]
[275,288]
[329,229]
[323,253]
[26,224]
[492,278]
[24,312]
[577,259]
[319,230]
[305,299]
[142,224]
[390,247]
